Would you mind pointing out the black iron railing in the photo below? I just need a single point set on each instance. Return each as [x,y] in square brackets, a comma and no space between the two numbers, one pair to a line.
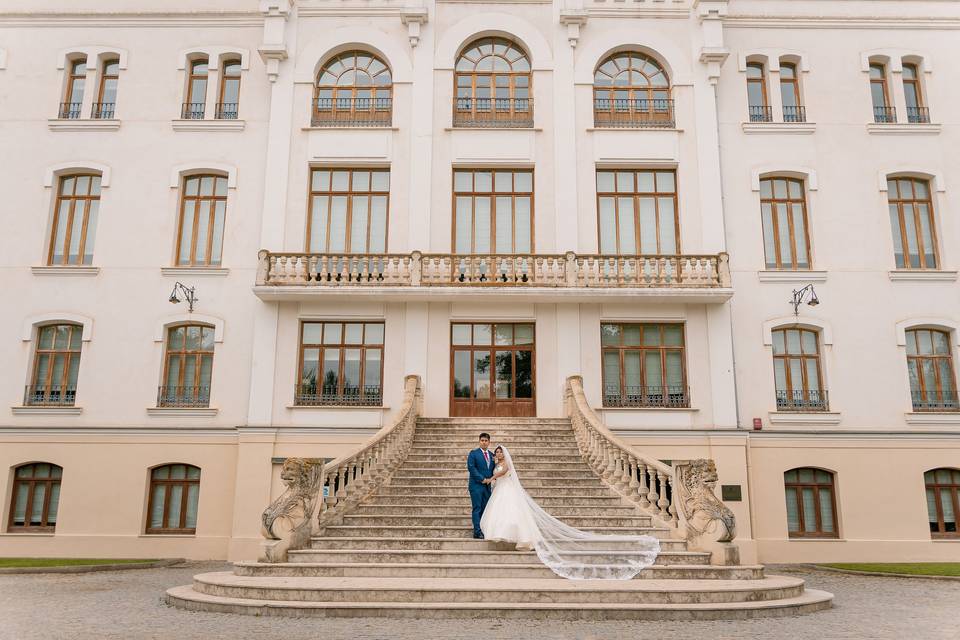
[192,111]
[352,112]
[307,395]
[761,113]
[102,110]
[944,400]
[637,113]
[918,115]
[884,115]
[226,111]
[800,400]
[796,113]
[70,110]
[183,396]
[50,395]
[513,113]
[665,397]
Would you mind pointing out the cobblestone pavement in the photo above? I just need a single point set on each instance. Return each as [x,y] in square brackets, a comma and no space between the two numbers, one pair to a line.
[127,605]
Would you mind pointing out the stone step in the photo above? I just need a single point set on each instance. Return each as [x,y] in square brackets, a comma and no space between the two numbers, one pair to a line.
[520,442]
[474,431]
[440,531]
[538,451]
[399,519]
[568,471]
[485,590]
[425,500]
[671,557]
[459,457]
[574,464]
[491,421]
[459,489]
[413,543]
[464,506]
[550,481]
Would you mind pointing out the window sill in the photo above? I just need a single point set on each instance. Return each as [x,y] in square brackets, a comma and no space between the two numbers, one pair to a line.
[773,275]
[27,534]
[334,407]
[493,129]
[779,128]
[623,129]
[814,539]
[46,411]
[57,270]
[932,418]
[167,535]
[194,271]
[653,409]
[57,124]
[804,418]
[208,125]
[182,412]
[898,128]
[922,275]
[385,127]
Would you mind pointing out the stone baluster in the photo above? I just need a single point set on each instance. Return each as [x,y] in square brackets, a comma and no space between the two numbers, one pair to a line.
[662,502]
[643,490]
[652,496]
[634,484]
[619,477]
[673,502]
[341,483]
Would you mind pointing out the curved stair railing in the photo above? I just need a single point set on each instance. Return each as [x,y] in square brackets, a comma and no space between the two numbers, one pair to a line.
[327,491]
[680,497]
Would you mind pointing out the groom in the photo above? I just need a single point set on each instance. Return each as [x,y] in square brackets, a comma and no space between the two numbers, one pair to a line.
[480,465]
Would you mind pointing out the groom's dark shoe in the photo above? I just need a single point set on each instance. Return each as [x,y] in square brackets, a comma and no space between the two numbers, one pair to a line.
[478,536]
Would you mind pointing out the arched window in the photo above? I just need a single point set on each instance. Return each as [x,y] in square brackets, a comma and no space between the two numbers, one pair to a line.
[56,365]
[910,205]
[228,102]
[783,213]
[106,103]
[74,223]
[73,91]
[203,211]
[174,494]
[793,110]
[195,100]
[913,93]
[811,503]
[796,370]
[492,83]
[631,89]
[36,498]
[757,103]
[930,366]
[882,111]
[354,89]
[187,367]
[943,501]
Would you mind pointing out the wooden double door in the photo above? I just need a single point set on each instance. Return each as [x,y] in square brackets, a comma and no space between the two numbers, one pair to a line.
[492,370]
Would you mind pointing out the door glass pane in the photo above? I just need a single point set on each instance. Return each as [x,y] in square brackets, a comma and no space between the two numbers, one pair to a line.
[481,374]
[522,228]
[378,224]
[504,381]
[482,334]
[608,226]
[481,217]
[461,374]
[338,223]
[504,241]
[524,381]
[464,225]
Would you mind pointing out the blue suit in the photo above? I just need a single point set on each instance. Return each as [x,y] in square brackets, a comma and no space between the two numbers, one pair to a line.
[479,470]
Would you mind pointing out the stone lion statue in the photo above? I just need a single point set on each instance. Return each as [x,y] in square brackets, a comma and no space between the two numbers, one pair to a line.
[704,512]
[302,479]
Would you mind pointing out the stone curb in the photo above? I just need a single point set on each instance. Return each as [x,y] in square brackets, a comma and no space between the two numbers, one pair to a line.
[879,574]
[92,567]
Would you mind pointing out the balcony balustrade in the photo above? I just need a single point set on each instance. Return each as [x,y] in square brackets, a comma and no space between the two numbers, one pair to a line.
[183,397]
[663,397]
[352,112]
[315,395]
[640,113]
[515,113]
[50,395]
[803,401]
[885,115]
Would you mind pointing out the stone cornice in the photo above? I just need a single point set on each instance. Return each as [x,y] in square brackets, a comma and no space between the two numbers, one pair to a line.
[227,19]
[840,22]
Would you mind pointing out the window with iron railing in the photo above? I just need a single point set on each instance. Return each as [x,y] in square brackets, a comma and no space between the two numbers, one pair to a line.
[188,367]
[917,113]
[194,104]
[793,110]
[883,112]
[631,90]
[643,365]
[105,106]
[229,95]
[492,84]
[930,367]
[73,92]
[758,107]
[56,366]
[341,364]
[354,89]
[797,371]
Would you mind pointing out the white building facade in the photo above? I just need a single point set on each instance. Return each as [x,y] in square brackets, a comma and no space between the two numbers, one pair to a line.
[495,197]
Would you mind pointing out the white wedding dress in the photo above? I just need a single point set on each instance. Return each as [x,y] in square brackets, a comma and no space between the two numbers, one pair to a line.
[512,515]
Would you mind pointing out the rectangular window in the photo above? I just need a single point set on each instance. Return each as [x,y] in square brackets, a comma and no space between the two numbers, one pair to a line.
[56,366]
[811,503]
[643,365]
[493,211]
[930,367]
[74,220]
[202,217]
[174,498]
[348,211]
[188,366]
[943,501]
[341,363]
[796,371]
[637,211]
[911,220]
[783,209]
[35,498]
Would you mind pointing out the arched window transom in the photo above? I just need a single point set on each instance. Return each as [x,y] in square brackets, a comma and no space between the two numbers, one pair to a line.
[796,370]
[631,89]
[493,83]
[930,366]
[354,88]
[36,498]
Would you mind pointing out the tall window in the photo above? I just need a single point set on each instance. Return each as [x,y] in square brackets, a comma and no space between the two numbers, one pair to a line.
[354,88]
[203,210]
[916,111]
[106,103]
[348,210]
[793,110]
[943,501]
[911,220]
[73,92]
[630,90]
[796,370]
[757,93]
[638,212]
[643,365]
[340,364]
[188,365]
[492,84]
[195,103]
[493,211]
[56,364]
[229,98]
[36,498]
[174,493]
[811,503]
[74,220]
[882,111]
[930,365]
[783,212]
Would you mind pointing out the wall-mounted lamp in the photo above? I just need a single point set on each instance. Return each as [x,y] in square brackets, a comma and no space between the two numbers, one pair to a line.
[189,294]
[807,294]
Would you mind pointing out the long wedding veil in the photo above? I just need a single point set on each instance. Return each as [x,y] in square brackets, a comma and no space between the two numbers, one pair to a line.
[581,555]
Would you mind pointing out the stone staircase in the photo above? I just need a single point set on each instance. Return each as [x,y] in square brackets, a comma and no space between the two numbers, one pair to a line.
[406,550]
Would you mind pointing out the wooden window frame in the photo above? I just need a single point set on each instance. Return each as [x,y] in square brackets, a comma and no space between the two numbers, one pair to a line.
[937,487]
[804,358]
[795,83]
[342,347]
[762,81]
[936,359]
[200,398]
[882,81]
[224,77]
[474,406]
[772,202]
[894,198]
[104,76]
[350,194]
[31,483]
[68,353]
[195,200]
[473,194]
[817,487]
[915,81]
[635,93]
[375,105]
[193,75]
[512,75]
[662,348]
[72,76]
[635,194]
[184,501]
[87,199]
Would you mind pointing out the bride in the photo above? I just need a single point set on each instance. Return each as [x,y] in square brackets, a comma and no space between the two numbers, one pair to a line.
[512,515]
